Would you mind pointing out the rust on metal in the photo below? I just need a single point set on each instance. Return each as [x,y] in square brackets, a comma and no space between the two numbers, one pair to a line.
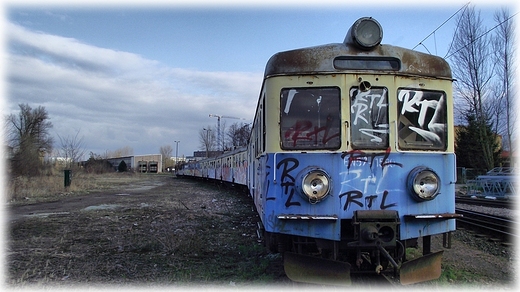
[308,269]
[320,60]
[422,269]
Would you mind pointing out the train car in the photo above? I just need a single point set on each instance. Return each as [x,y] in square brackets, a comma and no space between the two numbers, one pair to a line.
[351,159]
[228,167]
[234,166]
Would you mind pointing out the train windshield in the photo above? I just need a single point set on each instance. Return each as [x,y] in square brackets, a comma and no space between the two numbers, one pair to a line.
[369,118]
[310,118]
[422,119]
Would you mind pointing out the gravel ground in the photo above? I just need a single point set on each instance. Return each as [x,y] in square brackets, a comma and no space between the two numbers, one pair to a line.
[169,232]
[494,261]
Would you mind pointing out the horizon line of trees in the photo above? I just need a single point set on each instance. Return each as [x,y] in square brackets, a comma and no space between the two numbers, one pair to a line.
[236,136]
[31,151]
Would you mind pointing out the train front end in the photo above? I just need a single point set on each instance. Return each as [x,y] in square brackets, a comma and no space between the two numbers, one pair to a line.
[353,159]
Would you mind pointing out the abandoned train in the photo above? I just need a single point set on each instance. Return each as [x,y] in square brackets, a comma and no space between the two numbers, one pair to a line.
[350,160]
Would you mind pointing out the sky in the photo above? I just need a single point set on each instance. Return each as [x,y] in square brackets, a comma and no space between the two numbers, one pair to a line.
[145,74]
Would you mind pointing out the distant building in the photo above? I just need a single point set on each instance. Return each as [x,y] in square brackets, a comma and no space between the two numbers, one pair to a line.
[151,163]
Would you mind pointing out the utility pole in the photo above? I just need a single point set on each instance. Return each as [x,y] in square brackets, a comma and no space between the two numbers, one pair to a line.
[206,142]
[176,153]
[218,127]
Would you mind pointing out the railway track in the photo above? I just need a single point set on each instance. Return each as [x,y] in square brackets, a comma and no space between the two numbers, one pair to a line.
[484,202]
[501,227]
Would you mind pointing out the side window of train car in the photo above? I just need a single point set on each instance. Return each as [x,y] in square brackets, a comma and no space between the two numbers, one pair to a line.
[310,118]
[369,118]
[422,119]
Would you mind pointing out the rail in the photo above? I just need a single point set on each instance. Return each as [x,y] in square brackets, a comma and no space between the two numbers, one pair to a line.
[485,202]
[493,225]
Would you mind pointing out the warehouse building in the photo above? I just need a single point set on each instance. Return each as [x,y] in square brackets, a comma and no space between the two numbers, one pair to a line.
[151,163]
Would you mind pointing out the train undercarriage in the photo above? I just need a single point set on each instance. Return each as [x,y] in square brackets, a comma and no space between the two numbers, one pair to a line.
[369,245]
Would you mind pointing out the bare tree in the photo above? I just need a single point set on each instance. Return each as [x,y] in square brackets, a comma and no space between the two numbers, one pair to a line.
[71,149]
[166,152]
[207,139]
[120,152]
[238,134]
[98,164]
[504,52]
[29,138]
[473,69]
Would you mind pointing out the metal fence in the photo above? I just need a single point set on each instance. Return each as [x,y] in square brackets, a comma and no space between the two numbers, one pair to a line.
[498,182]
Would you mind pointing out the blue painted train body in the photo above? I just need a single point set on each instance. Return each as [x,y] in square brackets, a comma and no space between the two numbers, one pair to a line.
[351,159]
[361,181]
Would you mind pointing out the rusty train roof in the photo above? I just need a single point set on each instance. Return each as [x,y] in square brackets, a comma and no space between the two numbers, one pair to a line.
[320,60]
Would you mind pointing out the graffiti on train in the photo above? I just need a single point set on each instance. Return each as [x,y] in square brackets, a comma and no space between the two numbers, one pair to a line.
[369,115]
[288,181]
[305,130]
[362,177]
[422,113]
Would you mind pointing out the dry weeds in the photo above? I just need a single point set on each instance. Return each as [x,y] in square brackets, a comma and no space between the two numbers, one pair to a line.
[42,188]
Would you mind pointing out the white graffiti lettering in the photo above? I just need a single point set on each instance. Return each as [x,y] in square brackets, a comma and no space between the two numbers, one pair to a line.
[369,117]
[423,112]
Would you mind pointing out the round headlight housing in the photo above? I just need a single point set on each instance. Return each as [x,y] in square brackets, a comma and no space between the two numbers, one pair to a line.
[423,183]
[365,33]
[316,185]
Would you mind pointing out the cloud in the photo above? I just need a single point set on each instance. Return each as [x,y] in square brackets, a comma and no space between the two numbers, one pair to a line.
[117,99]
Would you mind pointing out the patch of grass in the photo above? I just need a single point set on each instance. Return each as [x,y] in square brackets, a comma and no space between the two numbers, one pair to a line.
[413,253]
[50,187]
[253,254]
[450,275]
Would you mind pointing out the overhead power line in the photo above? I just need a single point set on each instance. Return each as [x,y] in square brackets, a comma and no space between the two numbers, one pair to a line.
[480,36]
[421,42]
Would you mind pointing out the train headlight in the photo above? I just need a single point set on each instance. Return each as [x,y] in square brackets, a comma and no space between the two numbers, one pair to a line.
[316,185]
[366,33]
[423,183]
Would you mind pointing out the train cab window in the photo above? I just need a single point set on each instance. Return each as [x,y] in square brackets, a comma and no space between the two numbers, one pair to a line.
[422,119]
[310,118]
[369,118]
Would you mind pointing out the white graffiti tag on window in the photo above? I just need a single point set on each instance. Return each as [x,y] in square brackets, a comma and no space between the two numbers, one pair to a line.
[365,101]
[369,117]
[426,113]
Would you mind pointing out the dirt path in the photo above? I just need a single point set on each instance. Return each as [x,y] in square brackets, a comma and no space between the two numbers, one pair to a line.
[172,231]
